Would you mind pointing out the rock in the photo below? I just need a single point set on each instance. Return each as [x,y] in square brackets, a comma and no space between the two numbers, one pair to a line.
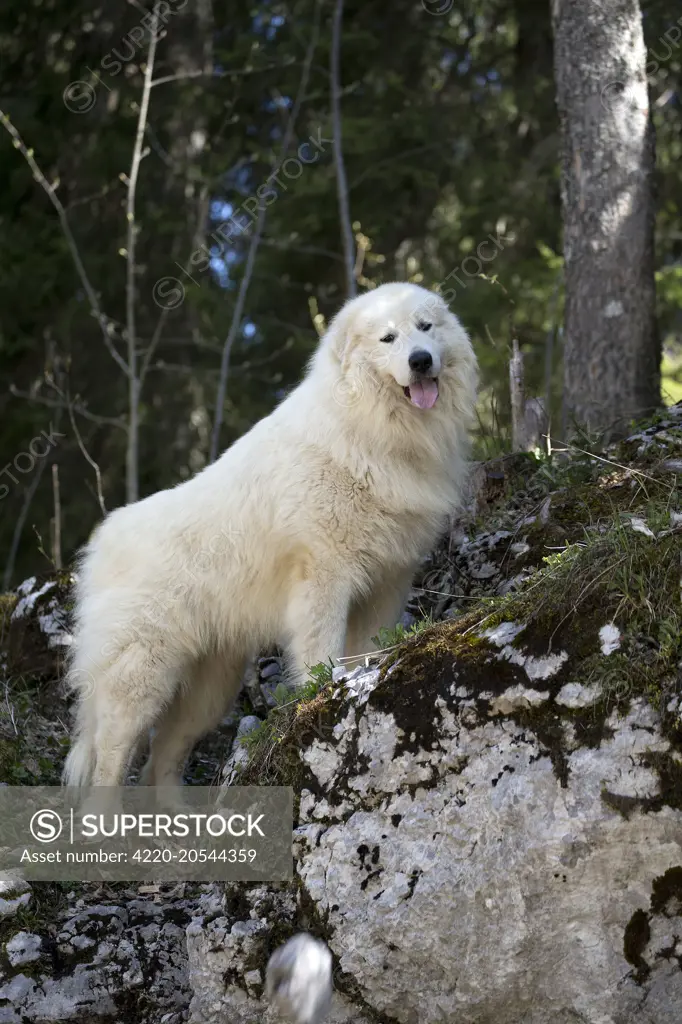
[108,962]
[576,695]
[22,948]
[609,635]
[15,892]
[247,724]
[517,698]
[252,688]
[9,907]
[240,754]
[463,867]
[39,628]
[489,822]
[225,944]
[272,667]
[270,690]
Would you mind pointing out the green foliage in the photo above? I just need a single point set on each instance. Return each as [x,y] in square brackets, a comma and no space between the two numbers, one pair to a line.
[320,676]
[387,638]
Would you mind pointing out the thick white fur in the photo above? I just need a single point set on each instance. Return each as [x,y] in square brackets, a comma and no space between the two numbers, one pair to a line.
[307,532]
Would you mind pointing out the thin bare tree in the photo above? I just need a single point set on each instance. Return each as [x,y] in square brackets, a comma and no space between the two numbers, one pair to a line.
[341,182]
[238,312]
[133,450]
[23,513]
[517,394]
[130,365]
[20,523]
[57,519]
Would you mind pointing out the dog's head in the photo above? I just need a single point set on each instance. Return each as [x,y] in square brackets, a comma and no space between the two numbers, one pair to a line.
[403,338]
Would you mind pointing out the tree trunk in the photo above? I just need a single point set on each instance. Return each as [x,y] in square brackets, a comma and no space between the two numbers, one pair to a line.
[611,351]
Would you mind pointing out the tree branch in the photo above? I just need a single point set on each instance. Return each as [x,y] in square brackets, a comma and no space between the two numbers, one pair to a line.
[51,193]
[21,518]
[57,519]
[63,391]
[87,456]
[202,73]
[204,207]
[81,410]
[311,250]
[517,398]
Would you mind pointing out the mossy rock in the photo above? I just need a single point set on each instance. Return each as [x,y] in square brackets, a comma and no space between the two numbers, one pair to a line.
[602,549]
[34,627]
[34,635]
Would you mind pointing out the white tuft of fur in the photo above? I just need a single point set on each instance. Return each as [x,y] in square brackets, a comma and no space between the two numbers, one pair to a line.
[79,764]
[298,980]
[80,761]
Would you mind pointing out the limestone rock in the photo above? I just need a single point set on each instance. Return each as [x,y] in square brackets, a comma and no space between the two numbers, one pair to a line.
[104,962]
[465,867]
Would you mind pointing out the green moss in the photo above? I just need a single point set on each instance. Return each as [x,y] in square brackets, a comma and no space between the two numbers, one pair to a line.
[274,748]
[24,764]
[12,770]
[609,573]
[8,603]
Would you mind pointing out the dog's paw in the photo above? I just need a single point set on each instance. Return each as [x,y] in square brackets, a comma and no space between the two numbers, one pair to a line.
[299,980]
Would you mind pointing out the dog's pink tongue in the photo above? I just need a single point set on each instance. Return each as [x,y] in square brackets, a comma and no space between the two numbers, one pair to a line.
[424,393]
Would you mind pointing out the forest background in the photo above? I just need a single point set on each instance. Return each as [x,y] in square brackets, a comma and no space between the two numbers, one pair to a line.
[175,231]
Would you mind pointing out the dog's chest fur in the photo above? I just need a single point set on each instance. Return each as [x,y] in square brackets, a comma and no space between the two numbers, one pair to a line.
[376,516]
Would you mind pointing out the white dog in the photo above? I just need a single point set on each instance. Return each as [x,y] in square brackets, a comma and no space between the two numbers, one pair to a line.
[306,532]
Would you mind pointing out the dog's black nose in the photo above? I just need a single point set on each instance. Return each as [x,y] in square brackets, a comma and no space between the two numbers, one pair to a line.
[420,361]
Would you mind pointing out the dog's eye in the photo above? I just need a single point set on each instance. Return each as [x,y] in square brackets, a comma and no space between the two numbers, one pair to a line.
[388,338]
[423,325]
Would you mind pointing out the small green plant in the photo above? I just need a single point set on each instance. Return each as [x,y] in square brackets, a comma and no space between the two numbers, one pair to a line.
[392,637]
[320,676]
[282,695]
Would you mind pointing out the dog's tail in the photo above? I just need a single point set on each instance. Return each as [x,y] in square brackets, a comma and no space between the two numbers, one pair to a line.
[80,761]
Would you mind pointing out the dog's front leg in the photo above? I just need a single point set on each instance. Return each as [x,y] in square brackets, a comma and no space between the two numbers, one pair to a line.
[381,608]
[317,617]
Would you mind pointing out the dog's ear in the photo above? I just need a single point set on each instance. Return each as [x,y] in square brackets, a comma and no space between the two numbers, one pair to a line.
[340,333]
